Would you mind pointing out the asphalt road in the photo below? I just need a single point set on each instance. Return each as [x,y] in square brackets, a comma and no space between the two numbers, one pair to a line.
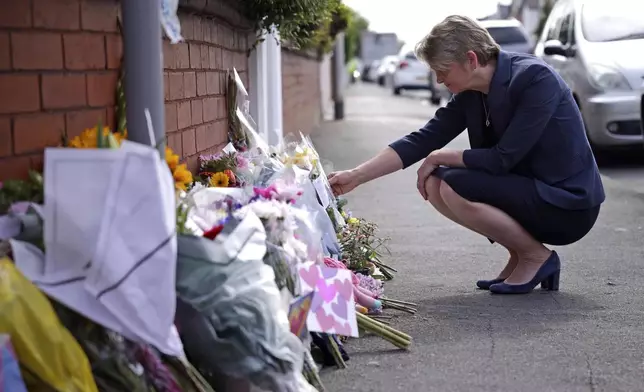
[587,337]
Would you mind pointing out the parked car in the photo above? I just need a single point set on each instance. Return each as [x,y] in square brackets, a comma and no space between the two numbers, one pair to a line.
[595,47]
[370,71]
[438,90]
[367,70]
[409,73]
[386,68]
[510,34]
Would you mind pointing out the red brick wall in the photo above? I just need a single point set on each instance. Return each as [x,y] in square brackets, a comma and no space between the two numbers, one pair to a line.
[302,107]
[59,63]
[58,70]
[216,39]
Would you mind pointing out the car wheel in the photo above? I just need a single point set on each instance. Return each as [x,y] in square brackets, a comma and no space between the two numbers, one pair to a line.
[435,101]
[397,90]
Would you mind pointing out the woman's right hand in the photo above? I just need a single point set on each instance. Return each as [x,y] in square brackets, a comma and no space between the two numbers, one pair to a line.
[343,182]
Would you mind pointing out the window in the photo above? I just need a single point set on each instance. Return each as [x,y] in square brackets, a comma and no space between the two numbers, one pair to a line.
[508,35]
[566,28]
[551,30]
[616,20]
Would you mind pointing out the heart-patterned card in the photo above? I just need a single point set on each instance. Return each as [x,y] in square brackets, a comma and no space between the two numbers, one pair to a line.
[333,308]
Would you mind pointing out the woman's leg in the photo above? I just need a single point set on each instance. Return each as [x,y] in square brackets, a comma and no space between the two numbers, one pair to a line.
[432,187]
[499,226]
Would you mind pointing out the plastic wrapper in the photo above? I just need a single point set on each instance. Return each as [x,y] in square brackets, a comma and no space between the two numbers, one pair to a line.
[49,355]
[309,201]
[170,21]
[240,327]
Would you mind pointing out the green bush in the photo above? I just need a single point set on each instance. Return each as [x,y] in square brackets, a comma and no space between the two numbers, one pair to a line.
[303,24]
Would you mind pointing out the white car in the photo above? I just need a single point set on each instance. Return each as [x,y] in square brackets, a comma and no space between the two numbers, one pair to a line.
[387,67]
[410,74]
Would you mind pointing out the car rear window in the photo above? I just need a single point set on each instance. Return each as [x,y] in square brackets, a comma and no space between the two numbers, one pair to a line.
[507,35]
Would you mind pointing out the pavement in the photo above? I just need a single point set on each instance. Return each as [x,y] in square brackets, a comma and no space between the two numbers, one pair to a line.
[587,337]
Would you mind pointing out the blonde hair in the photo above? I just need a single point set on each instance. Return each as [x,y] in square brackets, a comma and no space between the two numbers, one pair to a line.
[450,40]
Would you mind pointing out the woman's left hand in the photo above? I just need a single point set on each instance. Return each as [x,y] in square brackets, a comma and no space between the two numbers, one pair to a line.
[447,157]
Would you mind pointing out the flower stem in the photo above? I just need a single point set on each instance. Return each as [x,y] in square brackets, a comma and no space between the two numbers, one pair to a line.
[394,305]
[397,338]
[335,350]
[397,301]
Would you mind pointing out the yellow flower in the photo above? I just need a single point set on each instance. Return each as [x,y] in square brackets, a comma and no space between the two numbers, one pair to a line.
[219,180]
[182,177]
[88,138]
[353,221]
[171,158]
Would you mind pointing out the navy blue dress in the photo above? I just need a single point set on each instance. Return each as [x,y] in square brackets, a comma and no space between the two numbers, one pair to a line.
[517,196]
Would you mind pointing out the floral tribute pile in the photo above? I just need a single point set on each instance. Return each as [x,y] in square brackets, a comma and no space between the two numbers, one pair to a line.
[247,277]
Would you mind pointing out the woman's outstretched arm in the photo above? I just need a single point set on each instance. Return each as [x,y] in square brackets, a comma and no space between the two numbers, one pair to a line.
[385,162]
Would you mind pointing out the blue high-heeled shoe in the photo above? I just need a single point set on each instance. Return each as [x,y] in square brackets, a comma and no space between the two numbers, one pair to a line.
[485,284]
[547,275]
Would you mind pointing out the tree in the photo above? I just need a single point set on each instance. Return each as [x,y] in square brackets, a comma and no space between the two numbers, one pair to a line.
[357,24]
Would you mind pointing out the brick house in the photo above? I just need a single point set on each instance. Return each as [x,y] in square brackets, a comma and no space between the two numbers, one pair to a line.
[60,59]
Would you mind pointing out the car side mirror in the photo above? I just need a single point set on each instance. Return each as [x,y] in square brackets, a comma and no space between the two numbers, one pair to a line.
[554,47]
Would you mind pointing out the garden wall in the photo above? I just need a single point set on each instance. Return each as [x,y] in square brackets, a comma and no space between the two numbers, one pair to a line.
[59,63]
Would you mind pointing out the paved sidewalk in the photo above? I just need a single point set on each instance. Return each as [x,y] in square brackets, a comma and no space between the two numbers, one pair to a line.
[587,337]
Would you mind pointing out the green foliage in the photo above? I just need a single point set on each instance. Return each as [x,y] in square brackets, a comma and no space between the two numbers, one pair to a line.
[298,21]
[226,161]
[357,24]
[337,21]
[12,191]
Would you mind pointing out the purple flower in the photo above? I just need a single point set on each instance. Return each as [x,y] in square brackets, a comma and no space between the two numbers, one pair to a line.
[208,158]
[371,284]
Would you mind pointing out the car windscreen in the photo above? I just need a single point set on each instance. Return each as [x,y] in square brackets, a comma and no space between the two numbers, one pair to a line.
[507,35]
[615,21]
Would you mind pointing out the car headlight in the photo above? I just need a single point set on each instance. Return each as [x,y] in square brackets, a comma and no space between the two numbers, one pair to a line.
[607,79]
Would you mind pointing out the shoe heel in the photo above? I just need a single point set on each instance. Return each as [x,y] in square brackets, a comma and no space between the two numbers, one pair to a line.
[551,283]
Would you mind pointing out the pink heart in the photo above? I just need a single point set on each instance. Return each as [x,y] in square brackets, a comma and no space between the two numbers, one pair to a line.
[326,321]
[340,308]
[327,291]
[316,302]
[329,272]
[345,288]
[311,275]
[343,329]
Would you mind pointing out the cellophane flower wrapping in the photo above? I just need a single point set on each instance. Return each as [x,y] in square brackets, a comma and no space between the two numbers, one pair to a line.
[239,326]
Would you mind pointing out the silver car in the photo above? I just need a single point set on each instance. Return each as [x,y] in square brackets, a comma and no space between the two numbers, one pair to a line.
[510,34]
[597,46]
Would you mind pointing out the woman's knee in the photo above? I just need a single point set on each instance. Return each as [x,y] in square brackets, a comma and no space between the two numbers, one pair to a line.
[432,190]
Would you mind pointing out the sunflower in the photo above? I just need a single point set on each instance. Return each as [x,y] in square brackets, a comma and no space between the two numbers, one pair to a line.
[88,138]
[180,173]
[171,158]
[182,177]
[219,180]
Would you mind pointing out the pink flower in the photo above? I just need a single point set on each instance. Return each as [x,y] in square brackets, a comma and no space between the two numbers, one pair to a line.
[242,163]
